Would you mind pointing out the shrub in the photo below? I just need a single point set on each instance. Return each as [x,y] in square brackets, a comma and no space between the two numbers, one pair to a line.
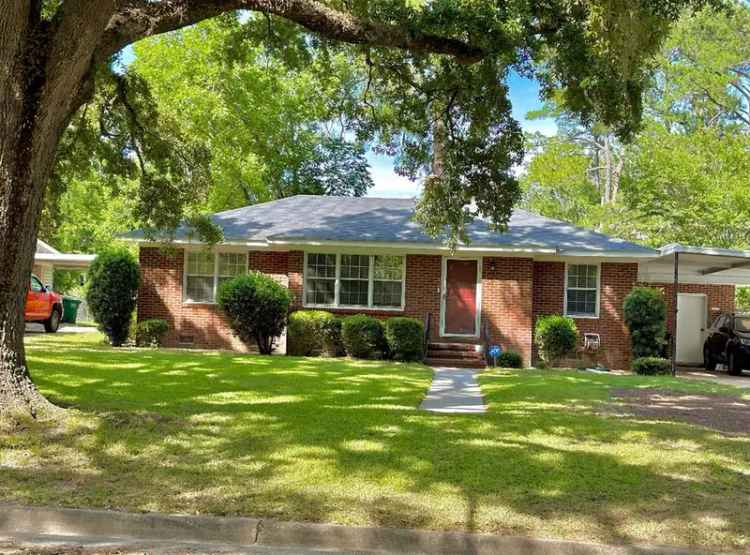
[363,336]
[510,359]
[111,293]
[256,307]
[312,332]
[150,333]
[651,366]
[405,338]
[333,344]
[645,314]
[555,336]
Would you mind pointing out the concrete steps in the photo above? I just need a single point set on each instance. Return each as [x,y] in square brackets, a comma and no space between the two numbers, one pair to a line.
[454,355]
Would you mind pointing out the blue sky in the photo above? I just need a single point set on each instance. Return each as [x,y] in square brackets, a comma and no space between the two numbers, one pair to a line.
[524,95]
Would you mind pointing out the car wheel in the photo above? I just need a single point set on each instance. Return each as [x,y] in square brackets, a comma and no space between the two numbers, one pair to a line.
[52,324]
[708,360]
[732,368]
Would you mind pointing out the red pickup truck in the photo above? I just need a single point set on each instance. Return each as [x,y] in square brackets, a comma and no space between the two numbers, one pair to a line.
[43,306]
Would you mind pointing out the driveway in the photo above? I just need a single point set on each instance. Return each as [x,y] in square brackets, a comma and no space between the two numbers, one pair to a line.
[719,376]
[64,328]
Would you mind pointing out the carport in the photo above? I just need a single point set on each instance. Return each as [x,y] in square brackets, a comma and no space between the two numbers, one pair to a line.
[682,265]
[47,259]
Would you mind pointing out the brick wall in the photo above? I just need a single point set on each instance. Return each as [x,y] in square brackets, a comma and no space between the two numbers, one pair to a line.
[160,296]
[507,303]
[616,281]
[720,297]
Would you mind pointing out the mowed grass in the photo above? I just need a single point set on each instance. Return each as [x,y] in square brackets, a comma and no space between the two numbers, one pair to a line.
[342,441]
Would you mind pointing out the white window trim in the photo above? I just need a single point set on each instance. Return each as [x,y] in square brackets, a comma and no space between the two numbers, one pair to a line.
[216,254]
[371,282]
[598,290]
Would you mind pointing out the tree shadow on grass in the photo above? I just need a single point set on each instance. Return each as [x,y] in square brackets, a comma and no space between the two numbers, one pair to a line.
[341,441]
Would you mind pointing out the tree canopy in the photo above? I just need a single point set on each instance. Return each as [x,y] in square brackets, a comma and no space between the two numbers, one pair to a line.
[684,176]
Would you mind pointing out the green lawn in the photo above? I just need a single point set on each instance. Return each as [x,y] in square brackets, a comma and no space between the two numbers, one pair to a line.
[341,441]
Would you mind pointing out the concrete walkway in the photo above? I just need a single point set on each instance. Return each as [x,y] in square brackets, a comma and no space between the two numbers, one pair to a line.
[454,390]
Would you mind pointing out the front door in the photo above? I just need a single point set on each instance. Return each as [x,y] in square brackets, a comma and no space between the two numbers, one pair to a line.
[460,299]
[691,323]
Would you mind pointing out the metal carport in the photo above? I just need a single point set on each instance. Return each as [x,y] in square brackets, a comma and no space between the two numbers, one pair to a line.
[681,264]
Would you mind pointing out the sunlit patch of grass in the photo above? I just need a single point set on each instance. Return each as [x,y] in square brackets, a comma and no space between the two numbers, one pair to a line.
[343,441]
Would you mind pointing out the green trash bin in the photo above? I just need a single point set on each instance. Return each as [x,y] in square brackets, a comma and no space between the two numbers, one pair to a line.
[70,309]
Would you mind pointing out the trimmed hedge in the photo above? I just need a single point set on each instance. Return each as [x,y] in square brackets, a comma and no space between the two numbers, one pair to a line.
[256,307]
[111,293]
[314,332]
[555,336]
[651,366]
[150,333]
[509,359]
[405,338]
[363,337]
[645,312]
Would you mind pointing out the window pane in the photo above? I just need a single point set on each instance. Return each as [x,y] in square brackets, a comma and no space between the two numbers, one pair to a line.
[386,293]
[200,288]
[582,302]
[353,292]
[355,266]
[232,263]
[320,291]
[36,285]
[582,276]
[321,265]
[201,263]
[388,267]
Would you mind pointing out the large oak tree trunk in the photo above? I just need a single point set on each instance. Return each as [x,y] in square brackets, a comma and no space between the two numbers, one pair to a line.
[20,206]
[38,95]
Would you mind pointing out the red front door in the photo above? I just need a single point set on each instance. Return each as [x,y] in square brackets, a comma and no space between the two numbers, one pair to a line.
[460,317]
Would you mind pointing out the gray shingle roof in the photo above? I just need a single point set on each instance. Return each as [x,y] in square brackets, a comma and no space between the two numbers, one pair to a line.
[317,218]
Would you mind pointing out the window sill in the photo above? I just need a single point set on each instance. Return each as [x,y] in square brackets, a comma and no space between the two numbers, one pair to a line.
[200,303]
[353,308]
[583,316]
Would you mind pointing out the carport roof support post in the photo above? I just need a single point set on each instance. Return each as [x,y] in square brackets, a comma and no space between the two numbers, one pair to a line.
[673,347]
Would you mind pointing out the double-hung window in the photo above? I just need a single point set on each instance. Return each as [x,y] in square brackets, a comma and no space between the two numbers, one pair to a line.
[582,290]
[205,271]
[354,280]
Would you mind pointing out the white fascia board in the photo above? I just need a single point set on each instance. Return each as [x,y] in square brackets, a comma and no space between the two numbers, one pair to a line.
[611,254]
[708,251]
[409,247]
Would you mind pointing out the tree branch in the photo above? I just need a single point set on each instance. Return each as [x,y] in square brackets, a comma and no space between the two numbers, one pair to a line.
[137,19]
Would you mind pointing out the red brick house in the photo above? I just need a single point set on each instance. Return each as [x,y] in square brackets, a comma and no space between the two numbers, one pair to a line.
[366,255]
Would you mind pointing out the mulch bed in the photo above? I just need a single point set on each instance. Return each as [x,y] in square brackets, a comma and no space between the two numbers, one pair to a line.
[729,415]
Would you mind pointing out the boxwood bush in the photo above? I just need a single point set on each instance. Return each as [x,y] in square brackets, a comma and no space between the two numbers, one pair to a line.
[509,359]
[256,307]
[645,314]
[405,338]
[111,293]
[555,337]
[314,332]
[150,333]
[363,337]
[651,366]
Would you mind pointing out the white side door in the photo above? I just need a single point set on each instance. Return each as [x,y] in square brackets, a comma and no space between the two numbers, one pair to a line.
[691,324]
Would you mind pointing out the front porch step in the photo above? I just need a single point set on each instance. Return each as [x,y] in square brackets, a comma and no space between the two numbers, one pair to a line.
[431,353]
[440,346]
[455,362]
[454,355]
